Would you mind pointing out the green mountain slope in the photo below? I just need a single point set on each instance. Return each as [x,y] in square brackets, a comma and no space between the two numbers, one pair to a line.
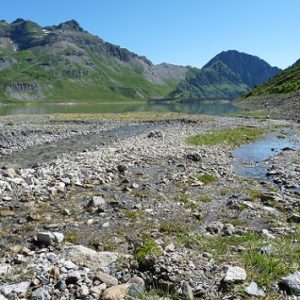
[65,62]
[286,82]
[227,76]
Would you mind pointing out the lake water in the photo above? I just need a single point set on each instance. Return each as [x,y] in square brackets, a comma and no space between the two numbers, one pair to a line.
[201,107]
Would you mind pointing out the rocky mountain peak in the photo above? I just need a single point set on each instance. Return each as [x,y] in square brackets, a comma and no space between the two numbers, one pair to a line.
[251,69]
[18,20]
[70,25]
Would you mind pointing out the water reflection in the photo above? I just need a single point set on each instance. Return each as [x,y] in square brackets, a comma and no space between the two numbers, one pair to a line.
[201,107]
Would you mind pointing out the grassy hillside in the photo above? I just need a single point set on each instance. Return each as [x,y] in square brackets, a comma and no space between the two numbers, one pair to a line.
[65,62]
[284,83]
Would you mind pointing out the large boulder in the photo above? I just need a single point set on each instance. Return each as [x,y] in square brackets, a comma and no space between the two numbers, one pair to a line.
[83,256]
[291,283]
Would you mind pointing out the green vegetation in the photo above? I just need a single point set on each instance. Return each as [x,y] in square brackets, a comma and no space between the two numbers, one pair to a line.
[224,77]
[72,237]
[284,83]
[172,227]
[207,178]
[253,194]
[84,69]
[262,267]
[133,214]
[205,198]
[224,191]
[232,136]
[184,198]
[213,82]
[148,247]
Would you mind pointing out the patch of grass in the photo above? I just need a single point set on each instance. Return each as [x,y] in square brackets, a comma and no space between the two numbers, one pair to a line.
[205,198]
[192,205]
[187,200]
[242,206]
[183,198]
[264,269]
[72,237]
[172,227]
[133,214]
[148,247]
[231,136]
[253,194]
[207,178]
[273,188]
[224,191]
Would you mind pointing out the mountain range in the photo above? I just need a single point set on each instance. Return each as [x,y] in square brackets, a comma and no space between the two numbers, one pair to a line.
[66,63]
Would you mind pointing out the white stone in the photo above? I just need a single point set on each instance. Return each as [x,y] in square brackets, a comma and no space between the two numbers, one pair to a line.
[105,225]
[292,282]
[253,290]
[4,269]
[18,288]
[83,291]
[50,238]
[235,275]
[83,256]
[268,235]
[97,202]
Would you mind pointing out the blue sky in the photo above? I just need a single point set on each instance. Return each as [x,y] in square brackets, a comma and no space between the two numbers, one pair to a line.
[185,32]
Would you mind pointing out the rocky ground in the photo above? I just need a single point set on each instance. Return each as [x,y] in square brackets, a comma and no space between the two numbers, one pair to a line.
[133,210]
[281,107]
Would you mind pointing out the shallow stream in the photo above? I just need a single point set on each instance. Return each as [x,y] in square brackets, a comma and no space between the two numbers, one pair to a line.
[250,160]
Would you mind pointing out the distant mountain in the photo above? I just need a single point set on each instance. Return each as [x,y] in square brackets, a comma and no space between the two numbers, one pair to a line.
[285,83]
[65,62]
[228,75]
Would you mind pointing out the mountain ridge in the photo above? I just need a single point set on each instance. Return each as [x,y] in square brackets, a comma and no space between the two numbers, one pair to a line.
[65,62]
[59,55]
[228,75]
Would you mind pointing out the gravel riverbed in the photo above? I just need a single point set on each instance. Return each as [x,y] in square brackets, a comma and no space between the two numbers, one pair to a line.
[108,209]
